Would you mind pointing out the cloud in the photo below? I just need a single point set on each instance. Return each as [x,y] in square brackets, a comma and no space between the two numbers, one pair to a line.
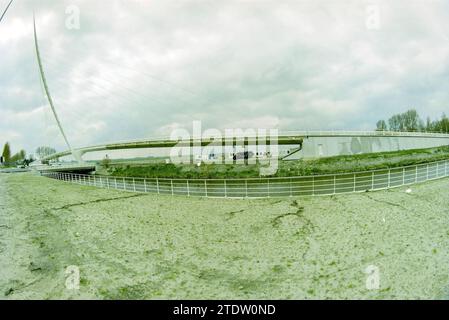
[141,68]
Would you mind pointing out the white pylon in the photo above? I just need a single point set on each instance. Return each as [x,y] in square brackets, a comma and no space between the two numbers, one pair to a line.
[76,155]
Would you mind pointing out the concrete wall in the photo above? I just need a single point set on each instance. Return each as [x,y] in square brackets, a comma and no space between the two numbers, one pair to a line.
[316,147]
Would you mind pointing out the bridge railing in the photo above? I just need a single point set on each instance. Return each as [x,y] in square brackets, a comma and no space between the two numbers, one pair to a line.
[328,184]
[305,133]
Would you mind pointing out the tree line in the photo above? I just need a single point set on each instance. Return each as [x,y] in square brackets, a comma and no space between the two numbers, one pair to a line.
[8,158]
[411,121]
[20,158]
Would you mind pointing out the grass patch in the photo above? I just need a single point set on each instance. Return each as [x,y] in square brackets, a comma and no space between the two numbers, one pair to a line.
[338,164]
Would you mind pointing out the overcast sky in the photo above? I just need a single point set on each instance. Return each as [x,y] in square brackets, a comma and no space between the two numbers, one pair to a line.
[136,69]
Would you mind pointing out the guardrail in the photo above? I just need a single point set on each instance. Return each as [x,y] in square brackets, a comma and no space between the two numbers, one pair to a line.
[329,184]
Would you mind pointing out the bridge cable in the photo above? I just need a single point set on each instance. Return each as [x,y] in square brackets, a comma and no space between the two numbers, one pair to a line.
[4,12]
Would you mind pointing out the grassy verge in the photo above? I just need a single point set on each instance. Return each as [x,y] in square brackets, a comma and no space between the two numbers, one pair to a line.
[339,164]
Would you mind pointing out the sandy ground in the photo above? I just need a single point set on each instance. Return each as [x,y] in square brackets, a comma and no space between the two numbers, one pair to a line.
[151,247]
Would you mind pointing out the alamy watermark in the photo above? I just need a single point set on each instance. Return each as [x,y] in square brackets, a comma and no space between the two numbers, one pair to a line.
[373,277]
[72,281]
[372,21]
[72,21]
[231,146]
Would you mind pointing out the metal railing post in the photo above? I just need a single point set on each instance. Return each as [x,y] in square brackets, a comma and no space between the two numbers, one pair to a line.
[124,184]
[403,176]
[107,182]
[372,180]
[157,185]
[335,184]
[416,174]
[145,185]
[389,178]
[172,191]
[205,187]
[354,182]
[225,188]
[427,172]
[291,187]
[313,185]
[188,188]
[134,184]
[246,188]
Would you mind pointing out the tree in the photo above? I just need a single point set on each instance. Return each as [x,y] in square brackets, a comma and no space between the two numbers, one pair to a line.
[410,120]
[6,154]
[395,123]
[444,124]
[381,125]
[19,156]
[106,162]
[407,121]
[429,124]
[44,151]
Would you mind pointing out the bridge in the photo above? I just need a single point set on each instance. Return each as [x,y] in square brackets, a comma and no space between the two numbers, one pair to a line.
[292,138]
[72,168]
[308,144]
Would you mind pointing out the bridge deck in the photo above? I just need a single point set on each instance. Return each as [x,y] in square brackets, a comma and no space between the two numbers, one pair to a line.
[283,138]
[74,168]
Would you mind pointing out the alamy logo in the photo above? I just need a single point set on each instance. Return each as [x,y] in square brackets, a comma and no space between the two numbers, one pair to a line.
[72,22]
[373,278]
[72,281]
[372,21]
[239,146]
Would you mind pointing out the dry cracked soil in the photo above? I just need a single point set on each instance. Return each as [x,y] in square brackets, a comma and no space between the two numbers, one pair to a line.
[143,246]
